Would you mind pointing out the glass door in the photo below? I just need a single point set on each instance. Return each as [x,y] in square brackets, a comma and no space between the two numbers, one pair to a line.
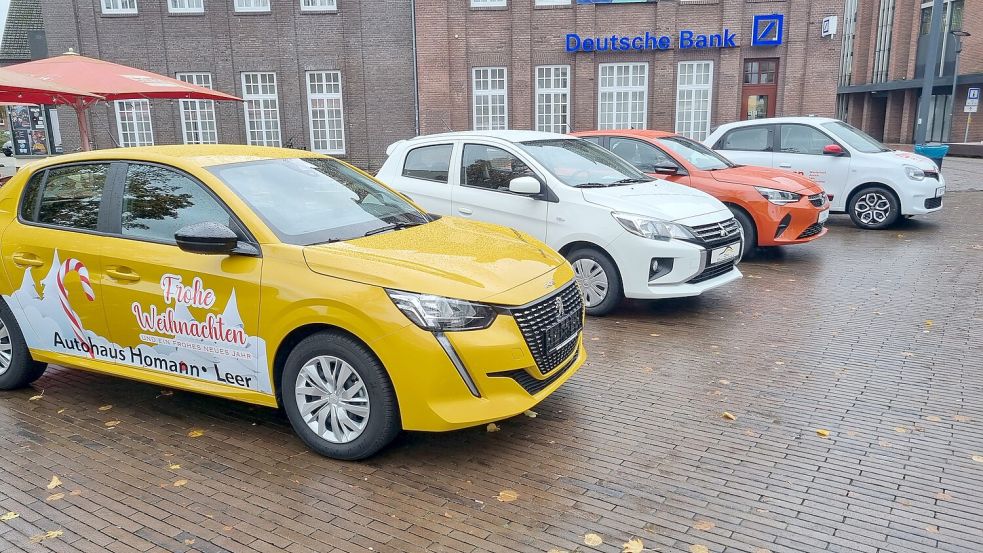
[760,88]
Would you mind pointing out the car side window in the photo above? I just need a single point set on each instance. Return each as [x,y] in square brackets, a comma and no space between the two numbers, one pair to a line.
[158,201]
[642,155]
[71,195]
[593,139]
[749,139]
[429,162]
[802,139]
[490,167]
[29,201]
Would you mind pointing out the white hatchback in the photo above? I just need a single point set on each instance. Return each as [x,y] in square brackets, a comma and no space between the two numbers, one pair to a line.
[626,234]
[863,177]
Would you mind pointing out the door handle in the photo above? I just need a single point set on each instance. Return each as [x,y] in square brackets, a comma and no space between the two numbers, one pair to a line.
[122,273]
[785,165]
[464,211]
[24,259]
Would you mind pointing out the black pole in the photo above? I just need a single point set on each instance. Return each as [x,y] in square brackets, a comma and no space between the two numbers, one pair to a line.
[928,79]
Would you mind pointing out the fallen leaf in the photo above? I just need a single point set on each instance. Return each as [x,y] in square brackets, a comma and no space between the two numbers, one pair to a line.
[724,382]
[883,443]
[933,418]
[592,540]
[166,393]
[697,548]
[851,433]
[507,496]
[9,516]
[37,397]
[943,496]
[647,369]
[196,433]
[654,334]
[492,427]
[55,497]
[727,415]
[112,424]
[55,482]
[822,433]
[46,536]
[554,550]
[180,483]
[60,411]
[189,542]
[174,466]
[633,545]
[932,529]
[779,363]
[900,429]
[448,515]
[75,492]
[704,525]
[961,418]
[531,414]
[978,458]
[907,353]
[929,323]
[105,407]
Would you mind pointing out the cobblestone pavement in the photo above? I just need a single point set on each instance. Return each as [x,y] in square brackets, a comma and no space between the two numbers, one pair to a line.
[871,336]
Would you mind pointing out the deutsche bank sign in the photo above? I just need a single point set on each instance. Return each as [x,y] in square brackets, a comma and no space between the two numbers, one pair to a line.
[767,30]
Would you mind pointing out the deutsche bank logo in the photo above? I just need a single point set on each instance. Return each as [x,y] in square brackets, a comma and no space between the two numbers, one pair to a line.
[768,30]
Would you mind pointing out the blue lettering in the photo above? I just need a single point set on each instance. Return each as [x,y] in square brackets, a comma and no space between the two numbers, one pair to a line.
[637,43]
[701,41]
[588,45]
[625,43]
[716,41]
[685,39]
[651,42]
[729,39]
[602,46]
[573,42]
[665,42]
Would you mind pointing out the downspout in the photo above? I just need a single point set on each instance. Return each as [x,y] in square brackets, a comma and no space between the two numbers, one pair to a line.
[416,78]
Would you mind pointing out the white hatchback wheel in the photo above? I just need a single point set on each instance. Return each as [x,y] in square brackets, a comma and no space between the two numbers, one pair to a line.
[332,399]
[872,207]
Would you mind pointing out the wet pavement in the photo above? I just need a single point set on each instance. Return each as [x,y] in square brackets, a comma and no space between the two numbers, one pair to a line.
[871,338]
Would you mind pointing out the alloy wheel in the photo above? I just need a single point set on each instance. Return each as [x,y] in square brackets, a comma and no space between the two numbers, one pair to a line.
[593,280]
[6,349]
[332,399]
[872,208]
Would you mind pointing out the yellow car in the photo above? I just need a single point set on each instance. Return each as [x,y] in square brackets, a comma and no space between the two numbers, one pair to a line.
[281,278]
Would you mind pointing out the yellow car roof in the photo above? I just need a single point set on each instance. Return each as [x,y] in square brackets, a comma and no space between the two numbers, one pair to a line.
[201,155]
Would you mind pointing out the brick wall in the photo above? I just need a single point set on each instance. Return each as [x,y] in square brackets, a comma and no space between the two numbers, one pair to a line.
[369,41]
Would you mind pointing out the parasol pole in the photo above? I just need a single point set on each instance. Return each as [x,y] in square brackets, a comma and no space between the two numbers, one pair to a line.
[81,111]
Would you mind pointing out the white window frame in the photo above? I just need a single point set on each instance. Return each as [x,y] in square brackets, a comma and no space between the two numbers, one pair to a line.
[198,112]
[552,2]
[326,96]
[141,136]
[251,6]
[186,6]
[249,97]
[489,3]
[552,93]
[489,93]
[118,7]
[615,89]
[688,88]
[318,5]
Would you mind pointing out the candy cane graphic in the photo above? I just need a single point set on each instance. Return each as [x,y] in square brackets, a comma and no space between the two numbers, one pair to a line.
[74,265]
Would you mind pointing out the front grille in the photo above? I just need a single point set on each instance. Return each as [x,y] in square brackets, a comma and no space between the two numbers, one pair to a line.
[715,233]
[812,230]
[933,203]
[530,384]
[533,320]
[818,200]
[712,272]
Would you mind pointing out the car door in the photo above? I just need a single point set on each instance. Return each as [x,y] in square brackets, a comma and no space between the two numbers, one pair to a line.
[185,314]
[748,145]
[482,191]
[425,177]
[800,149]
[648,158]
[53,251]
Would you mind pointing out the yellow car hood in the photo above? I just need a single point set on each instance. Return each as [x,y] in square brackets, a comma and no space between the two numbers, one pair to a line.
[449,257]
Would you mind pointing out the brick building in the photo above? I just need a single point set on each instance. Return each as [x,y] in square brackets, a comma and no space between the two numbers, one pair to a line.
[883,62]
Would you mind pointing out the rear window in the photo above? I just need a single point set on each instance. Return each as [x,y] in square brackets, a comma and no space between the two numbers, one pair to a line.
[429,162]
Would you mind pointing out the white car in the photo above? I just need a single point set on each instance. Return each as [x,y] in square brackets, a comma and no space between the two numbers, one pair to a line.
[864,178]
[626,234]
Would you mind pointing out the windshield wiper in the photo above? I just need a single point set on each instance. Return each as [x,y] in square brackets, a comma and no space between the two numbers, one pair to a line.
[630,181]
[394,226]
[591,185]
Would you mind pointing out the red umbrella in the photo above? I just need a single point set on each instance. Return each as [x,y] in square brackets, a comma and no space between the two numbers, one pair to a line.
[18,89]
[112,82]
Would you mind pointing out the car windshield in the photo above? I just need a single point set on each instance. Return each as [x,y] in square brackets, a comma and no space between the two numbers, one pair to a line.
[696,154]
[855,138]
[580,163]
[315,200]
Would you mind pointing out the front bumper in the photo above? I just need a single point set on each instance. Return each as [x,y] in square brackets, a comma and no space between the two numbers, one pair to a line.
[922,197]
[794,223]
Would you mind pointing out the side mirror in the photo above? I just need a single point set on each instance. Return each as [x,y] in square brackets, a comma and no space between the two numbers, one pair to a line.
[665,169]
[527,186]
[833,150]
[207,238]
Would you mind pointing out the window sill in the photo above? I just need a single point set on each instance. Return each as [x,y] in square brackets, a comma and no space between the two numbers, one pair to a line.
[556,7]
[185,14]
[268,12]
[114,15]
[317,12]
[488,8]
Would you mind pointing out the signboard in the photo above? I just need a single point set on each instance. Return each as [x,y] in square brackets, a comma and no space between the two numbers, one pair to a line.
[28,130]
[830,25]
[768,30]
[972,100]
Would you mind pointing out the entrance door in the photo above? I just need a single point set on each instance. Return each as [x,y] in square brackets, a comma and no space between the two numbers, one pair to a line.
[760,88]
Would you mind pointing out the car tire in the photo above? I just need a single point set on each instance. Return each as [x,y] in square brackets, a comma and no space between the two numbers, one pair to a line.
[371,409]
[750,232]
[599,280]
[17,367]
[874,208]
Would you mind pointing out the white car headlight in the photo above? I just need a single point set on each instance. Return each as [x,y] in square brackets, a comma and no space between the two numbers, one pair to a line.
[778,197]
[440,314]
[914,173]
[655,229]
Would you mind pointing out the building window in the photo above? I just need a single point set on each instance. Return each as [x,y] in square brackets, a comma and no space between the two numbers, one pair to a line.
[252,5]
[119,6]
[693,90]
[882,47]
[262,109]
[186,6]
[552,2]
[490,98]
[623,96]
[133,123]
[553,98]
[488,3]
[760,71]
[849,34]
[198,116]
[318,5]
[326,112]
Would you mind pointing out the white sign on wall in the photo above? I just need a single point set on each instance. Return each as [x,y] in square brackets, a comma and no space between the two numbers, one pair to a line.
[830,25]
[972,100]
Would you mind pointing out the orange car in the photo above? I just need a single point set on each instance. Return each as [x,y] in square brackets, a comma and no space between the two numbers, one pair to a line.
[774,207]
